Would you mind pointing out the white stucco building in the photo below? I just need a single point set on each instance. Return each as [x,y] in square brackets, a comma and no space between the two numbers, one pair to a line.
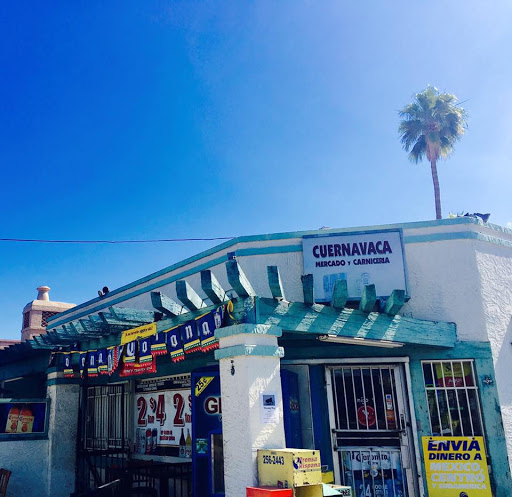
[388,350]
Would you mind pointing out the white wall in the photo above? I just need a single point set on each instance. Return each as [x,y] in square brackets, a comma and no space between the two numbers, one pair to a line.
[460,272]
[62,432]
[444,286]
[495,266]
[28,462]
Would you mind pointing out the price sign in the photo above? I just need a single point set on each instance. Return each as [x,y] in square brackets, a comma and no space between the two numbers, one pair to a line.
[163,416]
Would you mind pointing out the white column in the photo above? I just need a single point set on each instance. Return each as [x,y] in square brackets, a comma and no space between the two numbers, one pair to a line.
[62,433]
[249,370]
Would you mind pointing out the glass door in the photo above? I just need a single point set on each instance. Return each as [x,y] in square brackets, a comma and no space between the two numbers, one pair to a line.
[372,439]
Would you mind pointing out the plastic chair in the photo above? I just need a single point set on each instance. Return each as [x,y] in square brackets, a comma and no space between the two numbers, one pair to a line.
[5,474]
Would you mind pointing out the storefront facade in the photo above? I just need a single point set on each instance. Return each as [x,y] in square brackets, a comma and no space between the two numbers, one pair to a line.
[371,345]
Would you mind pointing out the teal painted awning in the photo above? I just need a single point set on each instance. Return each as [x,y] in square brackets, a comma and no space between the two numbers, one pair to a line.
[370,320]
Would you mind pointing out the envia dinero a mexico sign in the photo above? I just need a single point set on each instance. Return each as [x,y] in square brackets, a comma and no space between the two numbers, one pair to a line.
[456,467]
[360,259]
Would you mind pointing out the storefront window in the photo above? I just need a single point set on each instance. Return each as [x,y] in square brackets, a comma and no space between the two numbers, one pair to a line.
[106,417]
[452,396]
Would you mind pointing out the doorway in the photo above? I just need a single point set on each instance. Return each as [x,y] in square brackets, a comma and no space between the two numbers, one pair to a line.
[373,448]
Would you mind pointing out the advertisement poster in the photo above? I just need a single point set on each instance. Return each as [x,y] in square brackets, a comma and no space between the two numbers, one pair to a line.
[163,416]
[360,259]
[375,473]
[456,466]
[22,417]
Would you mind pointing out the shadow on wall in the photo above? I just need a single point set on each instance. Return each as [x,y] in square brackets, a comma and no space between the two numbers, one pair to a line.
[502,366]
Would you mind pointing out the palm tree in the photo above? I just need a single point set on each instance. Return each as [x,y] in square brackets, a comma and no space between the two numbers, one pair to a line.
[430,127]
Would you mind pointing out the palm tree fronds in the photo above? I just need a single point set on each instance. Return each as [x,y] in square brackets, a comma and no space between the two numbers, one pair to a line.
[429,127]
[419,150]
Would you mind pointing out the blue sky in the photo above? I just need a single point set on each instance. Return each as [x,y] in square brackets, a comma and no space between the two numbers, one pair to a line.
[145,119]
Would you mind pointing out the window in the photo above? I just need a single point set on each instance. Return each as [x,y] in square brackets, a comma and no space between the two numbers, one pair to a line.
[46,315]
[26,320]
[106,417]
[452,397]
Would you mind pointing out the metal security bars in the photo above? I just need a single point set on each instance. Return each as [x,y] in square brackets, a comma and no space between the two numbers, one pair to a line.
[452,397]
[372,438]
[106,418]
[103,441]
[365,398]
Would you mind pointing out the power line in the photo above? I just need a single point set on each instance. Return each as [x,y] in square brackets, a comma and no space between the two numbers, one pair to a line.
[162,240]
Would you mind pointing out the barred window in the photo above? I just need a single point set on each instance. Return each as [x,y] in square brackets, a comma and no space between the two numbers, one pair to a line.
[26,319]
[46,315]
[106,417]
[452,397]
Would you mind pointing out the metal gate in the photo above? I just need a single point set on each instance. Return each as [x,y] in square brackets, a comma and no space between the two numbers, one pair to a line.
[103,451]
[102,442]
[372,439]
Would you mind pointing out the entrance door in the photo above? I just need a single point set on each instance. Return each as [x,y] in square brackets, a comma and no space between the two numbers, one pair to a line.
[372,439]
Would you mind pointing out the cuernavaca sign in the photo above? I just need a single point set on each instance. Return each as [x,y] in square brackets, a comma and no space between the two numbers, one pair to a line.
[361,259]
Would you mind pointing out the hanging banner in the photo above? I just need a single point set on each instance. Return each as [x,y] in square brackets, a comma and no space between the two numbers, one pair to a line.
[163,416]
[145,354]
[140,346]
[207,324]
[190,337]
[455,466]
[92,366]
[130,352]
[137,358]
[140,332]
[102,361]
[69,372]
[56,359]
[174,344]
[113,354]
[158,345]
[81,362]
[361,259]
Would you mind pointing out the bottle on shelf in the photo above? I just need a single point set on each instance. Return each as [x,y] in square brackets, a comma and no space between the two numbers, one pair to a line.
[188,444]
[154,437]
[149,441]
[182,444]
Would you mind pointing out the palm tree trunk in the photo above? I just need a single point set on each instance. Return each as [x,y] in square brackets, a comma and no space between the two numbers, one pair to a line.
[437,193]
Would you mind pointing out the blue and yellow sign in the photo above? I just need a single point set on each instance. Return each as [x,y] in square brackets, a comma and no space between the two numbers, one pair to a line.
[456,466]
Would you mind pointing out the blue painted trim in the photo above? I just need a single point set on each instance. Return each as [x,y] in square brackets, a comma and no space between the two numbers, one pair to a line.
[104,302]
[280,249]
[63,381]
[319,413]
[461,235]
[327,233]
[5,437]
[253,350]
[254,329]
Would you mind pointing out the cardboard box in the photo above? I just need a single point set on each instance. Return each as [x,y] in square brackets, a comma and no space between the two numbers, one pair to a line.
[268,492]
[287,468]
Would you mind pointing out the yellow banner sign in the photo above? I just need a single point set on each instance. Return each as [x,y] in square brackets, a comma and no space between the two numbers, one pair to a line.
[140,332]
[201,385]
[456,466]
